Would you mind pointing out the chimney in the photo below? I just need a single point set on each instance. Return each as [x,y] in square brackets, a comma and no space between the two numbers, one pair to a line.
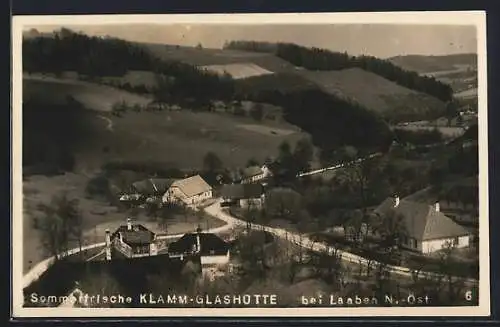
[108,245]
[437,207]
[129,224]
[396,201]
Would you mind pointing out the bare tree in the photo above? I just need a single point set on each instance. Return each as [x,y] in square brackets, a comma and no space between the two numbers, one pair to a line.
[61,222]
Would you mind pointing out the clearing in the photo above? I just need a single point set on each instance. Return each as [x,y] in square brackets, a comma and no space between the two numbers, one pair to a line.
[205,57]
[92,96]
[238,71]
[134,78]
[267,130]
[374,92]
[467,94]
[183,138]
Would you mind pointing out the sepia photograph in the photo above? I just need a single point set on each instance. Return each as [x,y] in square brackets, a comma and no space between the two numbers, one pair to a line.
[250,165]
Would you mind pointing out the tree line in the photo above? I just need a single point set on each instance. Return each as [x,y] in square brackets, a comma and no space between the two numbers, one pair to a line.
[322,59]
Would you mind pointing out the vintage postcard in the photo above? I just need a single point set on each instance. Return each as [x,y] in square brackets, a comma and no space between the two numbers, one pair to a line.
[250,165]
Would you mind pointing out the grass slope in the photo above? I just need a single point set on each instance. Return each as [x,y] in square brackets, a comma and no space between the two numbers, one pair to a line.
[96,97]
[376,93]
[179,139]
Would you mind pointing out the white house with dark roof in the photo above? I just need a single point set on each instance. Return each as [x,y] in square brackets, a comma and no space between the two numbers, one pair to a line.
[189,191]
[130,241]
[427,229]
[212,252]
[244,195]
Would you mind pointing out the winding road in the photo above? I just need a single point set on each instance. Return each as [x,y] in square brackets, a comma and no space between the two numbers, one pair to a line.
[304,241]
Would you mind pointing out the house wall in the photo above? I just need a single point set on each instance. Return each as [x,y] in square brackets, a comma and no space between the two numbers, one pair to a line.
[175,194]
[252,179]
[435,245]
[122,247]
[215,259]
[153,249]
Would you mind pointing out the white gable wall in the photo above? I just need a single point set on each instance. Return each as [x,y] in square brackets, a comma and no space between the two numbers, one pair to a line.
[215,259]
[174,193]
[438,244]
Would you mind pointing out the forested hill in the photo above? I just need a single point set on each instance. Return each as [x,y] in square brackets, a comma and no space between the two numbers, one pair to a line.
[332,122]
[322,59]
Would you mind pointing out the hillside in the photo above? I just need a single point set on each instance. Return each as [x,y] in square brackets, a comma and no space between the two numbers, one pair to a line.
[392,101]
[83,135]
[157,136]
[429,64]
[53,90]
[205,57]
[320,59]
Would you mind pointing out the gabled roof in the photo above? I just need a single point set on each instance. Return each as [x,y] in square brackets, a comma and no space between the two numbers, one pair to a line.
[252,171]
[242,191]
[422,221]
[137,236]
[210,243]
[152,186]
[192,186]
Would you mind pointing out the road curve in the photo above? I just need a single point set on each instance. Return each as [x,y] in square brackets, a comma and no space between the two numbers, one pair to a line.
[304,241]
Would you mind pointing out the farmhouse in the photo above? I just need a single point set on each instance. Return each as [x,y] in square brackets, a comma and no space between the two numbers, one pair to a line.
[244,195]
[213,252]
[130,241]
[254,174]
[188,191]
[427,229]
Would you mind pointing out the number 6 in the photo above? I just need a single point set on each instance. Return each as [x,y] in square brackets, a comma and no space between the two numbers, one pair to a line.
[468,295]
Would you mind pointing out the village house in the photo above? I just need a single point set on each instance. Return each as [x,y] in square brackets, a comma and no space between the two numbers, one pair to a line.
[130,241]
[188,191]
[244,195]
[254,174]
[427,229]
[211,251]
[152,187]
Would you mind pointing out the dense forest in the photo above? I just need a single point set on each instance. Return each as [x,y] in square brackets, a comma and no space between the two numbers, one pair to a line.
[332,122]
[48,147]
[322,59]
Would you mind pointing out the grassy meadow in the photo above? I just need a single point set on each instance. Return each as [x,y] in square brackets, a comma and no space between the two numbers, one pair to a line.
[374,92]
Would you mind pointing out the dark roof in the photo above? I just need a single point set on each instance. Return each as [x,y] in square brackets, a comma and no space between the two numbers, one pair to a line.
[210,243]
[152,186]
[242,191]
[422,221]
[138,235]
